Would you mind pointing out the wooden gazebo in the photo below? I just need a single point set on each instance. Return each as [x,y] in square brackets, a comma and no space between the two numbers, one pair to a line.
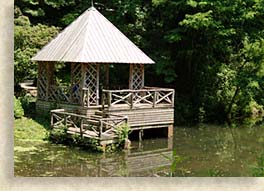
[87,44]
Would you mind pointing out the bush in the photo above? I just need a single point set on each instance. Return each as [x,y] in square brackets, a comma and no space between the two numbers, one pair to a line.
[28,103]
[122,132]
[18,109]
[58,135]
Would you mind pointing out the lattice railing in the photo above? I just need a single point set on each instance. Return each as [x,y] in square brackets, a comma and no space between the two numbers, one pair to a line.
[42,81]
[91,81]
[59,93]
[153,97]
[76,81]
[101,129]
[136,76]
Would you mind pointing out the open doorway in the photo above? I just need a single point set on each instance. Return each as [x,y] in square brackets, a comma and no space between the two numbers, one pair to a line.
[114,76]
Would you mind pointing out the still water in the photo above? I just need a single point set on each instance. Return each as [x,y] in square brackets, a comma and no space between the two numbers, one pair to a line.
[204,151]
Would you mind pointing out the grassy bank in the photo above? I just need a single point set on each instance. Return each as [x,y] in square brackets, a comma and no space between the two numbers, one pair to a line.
[26,129]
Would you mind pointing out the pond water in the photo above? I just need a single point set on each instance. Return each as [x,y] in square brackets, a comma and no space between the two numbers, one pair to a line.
[204,151]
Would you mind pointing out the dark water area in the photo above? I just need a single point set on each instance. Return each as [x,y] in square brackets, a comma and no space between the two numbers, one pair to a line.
[205,151]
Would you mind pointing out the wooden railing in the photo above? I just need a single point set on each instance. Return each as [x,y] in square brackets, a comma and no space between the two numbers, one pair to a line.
[101,129]
[148,96]
[85,97]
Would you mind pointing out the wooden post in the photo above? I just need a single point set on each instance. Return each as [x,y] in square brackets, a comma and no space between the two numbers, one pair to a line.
[131,100]
[170,131]
[140,135]
[107,76]
[143,75]
[81,128]
[172,100]
[103,101]
[50,77]
[154,99]
[100,129]
[47,77]
[109,99]
[88,97]
[170,143]
[51,120]
[38,83]
[130,76]
[97,83]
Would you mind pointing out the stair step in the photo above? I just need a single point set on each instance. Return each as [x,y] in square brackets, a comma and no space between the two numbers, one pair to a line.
[98,113]
[93,122]
[96,116]
[86,133]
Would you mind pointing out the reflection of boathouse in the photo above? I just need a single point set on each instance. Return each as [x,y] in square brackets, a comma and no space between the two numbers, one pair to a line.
[87,106]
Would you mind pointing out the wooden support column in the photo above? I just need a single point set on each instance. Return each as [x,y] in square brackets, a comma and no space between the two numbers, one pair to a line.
[170,131]
[97,83]
[140,134]
[50,78]
[106,76]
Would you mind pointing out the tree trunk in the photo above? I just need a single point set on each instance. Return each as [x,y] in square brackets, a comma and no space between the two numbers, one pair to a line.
[229,114]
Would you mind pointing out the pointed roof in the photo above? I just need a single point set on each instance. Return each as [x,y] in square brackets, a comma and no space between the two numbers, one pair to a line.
[91,38]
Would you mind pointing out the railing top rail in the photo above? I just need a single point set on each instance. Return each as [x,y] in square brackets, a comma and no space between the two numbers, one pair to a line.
[62,111]
[113,119]
[136,91]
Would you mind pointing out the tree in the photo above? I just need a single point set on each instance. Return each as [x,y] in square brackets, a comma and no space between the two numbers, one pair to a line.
[28,40]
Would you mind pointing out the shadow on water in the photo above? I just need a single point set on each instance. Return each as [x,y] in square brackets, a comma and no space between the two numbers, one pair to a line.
[204,151]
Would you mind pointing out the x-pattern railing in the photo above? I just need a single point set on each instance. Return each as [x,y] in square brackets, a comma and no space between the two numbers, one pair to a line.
[155,97]
[102,129]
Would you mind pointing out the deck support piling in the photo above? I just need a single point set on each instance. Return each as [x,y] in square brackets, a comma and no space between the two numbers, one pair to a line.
[140,134]
[170,131]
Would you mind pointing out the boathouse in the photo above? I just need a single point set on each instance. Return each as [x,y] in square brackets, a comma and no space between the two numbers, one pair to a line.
[89,45]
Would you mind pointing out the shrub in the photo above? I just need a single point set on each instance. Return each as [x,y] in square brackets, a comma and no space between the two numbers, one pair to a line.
[28,103]
[18,109]
[122,132]
[58,135]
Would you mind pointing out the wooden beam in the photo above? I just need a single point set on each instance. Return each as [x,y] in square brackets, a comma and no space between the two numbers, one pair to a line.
[107,76]
[97,83]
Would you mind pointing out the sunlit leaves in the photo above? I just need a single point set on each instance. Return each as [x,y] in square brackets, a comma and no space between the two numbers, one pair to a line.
[198,20]
[158,2]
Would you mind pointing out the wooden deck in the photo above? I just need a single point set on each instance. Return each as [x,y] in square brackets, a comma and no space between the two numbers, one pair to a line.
[141,109]
[96,126]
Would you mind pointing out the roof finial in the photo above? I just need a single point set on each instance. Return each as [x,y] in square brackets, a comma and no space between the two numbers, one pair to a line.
[92,3]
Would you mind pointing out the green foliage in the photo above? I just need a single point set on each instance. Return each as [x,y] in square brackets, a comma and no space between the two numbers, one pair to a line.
[58,135]
[28,103]
[18,109]
[175,160]
[28,40]
[258,171]
[123,132]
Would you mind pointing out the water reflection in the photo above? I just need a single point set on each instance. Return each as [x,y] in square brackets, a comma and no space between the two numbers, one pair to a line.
[206,151]
[144,159]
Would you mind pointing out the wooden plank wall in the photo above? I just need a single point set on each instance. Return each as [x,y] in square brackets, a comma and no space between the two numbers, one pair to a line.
[44,107]
[147,117]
